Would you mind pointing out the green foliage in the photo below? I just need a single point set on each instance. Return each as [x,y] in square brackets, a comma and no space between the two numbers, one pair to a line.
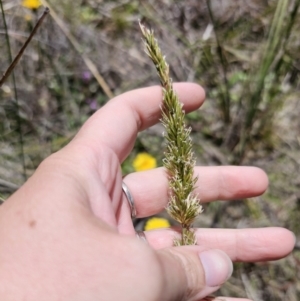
[254,96]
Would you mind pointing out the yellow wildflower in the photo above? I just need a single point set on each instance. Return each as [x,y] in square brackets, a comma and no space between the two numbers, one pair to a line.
[156,223]
[31,4]
[144,161]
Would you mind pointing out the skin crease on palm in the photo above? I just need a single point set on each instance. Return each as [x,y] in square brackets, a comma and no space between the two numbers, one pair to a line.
[67,234]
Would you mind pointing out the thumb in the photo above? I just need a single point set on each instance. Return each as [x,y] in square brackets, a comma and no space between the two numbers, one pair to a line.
[191,274]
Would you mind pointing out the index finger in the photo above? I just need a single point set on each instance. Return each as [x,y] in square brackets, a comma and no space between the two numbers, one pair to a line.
[116,124]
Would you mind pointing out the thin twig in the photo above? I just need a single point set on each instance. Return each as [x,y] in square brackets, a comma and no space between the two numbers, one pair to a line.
[19,55]
[91,66]
[19,121]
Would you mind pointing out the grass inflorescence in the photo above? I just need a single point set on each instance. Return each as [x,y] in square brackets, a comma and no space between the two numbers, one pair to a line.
[179,159]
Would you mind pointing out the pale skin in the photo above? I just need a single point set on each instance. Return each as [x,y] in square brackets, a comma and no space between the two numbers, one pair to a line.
[67,234]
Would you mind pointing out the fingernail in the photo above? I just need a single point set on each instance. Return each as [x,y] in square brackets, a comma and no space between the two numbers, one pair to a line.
[217,267]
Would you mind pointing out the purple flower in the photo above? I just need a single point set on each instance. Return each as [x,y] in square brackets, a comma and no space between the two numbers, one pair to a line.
[86,76]
[92,104]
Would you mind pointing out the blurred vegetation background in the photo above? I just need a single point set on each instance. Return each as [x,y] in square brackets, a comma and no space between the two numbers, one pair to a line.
[244,53]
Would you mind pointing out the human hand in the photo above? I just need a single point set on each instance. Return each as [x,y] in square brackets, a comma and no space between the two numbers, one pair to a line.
[67,233]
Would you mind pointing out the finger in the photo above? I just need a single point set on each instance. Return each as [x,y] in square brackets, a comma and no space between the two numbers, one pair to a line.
[118,122]
[191,274]
[150,188]
[246,245]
